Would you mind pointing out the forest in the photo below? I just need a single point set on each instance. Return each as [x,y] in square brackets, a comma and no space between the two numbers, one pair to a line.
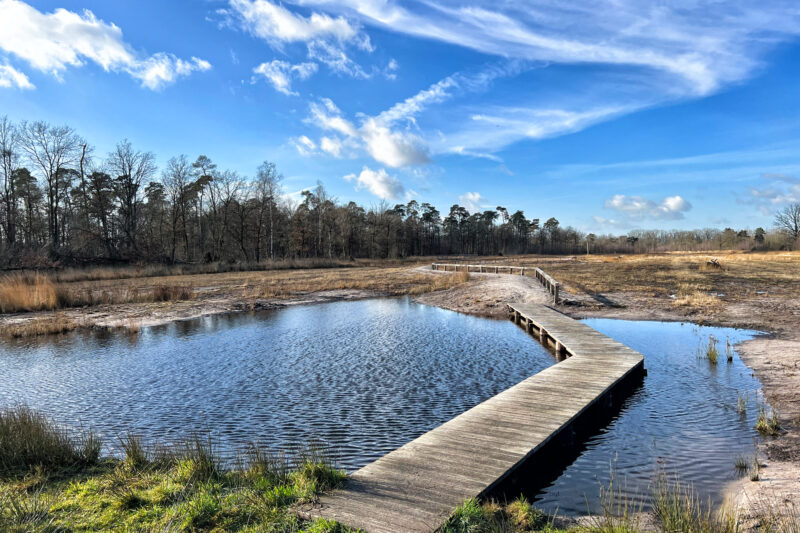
[62,204]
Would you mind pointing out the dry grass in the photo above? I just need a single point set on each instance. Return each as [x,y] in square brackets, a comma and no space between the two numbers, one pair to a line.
[49,325]
[27,292]
[393,281]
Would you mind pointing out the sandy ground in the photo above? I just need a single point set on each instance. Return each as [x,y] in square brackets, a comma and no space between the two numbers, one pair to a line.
[775,358]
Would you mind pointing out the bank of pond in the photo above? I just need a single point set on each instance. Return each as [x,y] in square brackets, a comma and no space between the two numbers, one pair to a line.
[358,379]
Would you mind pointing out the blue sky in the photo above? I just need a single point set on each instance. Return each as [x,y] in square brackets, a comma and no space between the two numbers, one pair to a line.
[609,115]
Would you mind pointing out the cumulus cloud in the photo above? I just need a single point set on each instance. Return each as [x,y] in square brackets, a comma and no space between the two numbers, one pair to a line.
[53,42]
[378,182]
[391,147]
[280,74]
[11,77]
[637,207]
[473,201]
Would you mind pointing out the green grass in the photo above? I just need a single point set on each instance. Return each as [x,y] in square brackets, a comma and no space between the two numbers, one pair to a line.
[712,354]
[767,423]
[183,488]
[28,439]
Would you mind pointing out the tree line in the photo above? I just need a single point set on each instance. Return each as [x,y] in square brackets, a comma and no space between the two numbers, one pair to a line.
[62,202]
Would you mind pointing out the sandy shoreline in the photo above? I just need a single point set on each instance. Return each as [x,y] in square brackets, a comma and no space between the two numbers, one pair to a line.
[775,358]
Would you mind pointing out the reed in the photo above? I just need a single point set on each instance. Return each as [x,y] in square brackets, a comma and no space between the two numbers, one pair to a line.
[712,354]
[27,292]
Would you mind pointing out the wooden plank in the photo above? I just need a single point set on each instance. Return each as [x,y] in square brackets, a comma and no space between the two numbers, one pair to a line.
[415,487]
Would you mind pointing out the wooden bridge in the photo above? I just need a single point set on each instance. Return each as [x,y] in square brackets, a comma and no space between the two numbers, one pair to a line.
[416,487]
[544,278]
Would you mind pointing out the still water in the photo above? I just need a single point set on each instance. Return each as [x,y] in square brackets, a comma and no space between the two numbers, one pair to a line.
[684,421]
[366,377]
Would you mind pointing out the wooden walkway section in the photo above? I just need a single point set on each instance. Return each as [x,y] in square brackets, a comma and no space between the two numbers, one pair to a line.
[416,487]
[547,281]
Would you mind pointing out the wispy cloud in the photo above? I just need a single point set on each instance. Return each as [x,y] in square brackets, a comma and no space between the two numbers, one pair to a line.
[704,44]
[11,77]
[326,37]
[637,55]
[776,190]
[53,42]
[280,74]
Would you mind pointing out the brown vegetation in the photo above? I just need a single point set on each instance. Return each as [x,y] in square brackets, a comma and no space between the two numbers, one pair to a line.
[27,292]
[49,325]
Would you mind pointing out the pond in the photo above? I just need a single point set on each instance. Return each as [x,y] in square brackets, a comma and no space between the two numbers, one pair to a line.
[684,421]
[366,377]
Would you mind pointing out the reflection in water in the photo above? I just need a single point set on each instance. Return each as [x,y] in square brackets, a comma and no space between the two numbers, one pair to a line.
[684,420]
[366,377]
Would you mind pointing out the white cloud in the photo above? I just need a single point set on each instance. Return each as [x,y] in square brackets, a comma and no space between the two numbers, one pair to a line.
[276,24]
[53,42]
[473,201]
[782,189]
[280,73]
[331,145]
[703,45]
[498,127]
[637,207]
[393,148]
[378,182]
[11,77]
[639,55]
[304,145]
[162,69]
[327,116]
[326,37]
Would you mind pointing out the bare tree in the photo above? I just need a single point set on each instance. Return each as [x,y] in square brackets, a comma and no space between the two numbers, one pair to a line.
[788,221]
[9,159]
[268,189]
[53,150]
[132,169]
[177,180]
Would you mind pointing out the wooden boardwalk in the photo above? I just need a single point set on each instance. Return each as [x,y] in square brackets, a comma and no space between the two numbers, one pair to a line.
[416,487]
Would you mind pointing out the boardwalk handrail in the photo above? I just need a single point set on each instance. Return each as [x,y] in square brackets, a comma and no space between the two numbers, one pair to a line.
[496,269]
[545,279]
[549,283]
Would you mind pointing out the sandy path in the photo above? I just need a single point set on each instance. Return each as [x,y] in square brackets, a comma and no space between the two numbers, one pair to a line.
[488,294]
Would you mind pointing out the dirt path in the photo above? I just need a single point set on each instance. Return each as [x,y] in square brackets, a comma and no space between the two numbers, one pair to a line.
[487,294]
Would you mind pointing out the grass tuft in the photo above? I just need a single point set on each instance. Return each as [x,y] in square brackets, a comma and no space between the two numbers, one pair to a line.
[712,354]
[27,292]
[28,440]
[767,423]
